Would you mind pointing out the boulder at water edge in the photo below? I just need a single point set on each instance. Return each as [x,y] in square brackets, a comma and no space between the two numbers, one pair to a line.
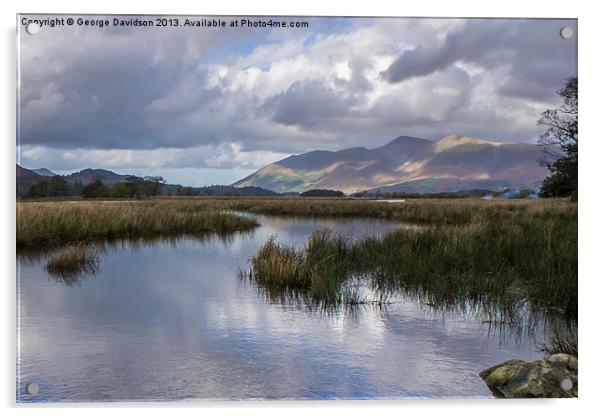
[553,376]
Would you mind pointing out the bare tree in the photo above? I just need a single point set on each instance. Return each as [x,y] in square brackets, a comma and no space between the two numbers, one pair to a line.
[560,142]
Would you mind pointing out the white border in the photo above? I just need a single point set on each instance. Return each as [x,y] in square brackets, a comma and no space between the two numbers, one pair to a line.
[589,223]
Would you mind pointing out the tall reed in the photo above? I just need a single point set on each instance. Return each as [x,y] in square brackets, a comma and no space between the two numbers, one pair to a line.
[504,257]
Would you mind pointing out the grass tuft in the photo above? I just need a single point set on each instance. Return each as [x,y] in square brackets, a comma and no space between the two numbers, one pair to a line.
[562,342]
[316,272]
[71,262]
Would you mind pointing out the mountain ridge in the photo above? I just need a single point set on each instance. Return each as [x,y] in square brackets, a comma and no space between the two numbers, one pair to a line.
[44,172]
[26,178]
[407,164]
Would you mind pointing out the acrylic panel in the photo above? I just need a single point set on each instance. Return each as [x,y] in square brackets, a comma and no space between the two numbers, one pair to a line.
[295,207]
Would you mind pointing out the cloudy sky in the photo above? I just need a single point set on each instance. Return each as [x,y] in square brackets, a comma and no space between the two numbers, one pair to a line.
[202,106]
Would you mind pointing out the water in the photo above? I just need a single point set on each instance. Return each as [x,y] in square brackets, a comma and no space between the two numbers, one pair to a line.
[171,320]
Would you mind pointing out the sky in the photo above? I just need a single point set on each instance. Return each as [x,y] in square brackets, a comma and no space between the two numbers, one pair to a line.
[204,106]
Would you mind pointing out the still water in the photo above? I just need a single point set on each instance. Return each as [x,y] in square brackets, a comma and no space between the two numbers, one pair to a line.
[171,320]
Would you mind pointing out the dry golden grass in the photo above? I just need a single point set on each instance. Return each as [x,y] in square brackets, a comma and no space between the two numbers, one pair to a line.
[56,223]
[418,211]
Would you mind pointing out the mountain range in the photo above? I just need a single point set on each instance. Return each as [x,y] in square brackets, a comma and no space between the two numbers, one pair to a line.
[26,178]
[408,164]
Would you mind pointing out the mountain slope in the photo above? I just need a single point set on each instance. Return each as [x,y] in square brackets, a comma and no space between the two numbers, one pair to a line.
[25,179]
[44,172]
[407,164]
[86,176]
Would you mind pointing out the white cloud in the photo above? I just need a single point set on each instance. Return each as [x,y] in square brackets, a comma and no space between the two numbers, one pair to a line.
[224,156]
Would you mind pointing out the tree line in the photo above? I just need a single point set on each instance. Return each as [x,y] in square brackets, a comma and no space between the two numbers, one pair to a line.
[133,187]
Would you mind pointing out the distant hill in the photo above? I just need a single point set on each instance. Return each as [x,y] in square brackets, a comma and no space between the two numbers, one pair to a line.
[28,177]
[90,175]
[407,164]
[25,174]
[25,179]
[44,172]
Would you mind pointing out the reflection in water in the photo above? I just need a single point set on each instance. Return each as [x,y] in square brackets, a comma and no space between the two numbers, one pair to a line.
[73,275]
[73,262]
[170,320]
[519,320]
[33,256]
[334,273]
[62,267]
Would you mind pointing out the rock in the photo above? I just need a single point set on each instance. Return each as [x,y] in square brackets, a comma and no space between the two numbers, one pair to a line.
[553,376]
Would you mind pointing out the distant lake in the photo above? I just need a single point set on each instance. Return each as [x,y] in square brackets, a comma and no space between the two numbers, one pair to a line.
[171,320]
[390,201]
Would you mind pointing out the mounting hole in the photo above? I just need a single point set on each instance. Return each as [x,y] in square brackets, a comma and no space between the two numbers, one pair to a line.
[566,32]
[32,28]
[32,388]
[566,384]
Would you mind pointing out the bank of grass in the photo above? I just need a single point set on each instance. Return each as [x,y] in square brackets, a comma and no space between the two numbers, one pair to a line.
[72,261]
[47,224]
[419,211]
[498,255]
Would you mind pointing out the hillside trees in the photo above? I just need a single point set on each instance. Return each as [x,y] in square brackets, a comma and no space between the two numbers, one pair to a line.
[53,187]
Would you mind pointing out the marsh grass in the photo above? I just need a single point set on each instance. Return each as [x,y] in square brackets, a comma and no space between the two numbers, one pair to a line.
[424,211]
[47,224]
[316,272]
[73,261]
[470,253]
[562,341]
[505,258]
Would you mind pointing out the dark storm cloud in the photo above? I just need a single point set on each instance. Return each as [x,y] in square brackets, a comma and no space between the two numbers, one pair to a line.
[538,59]
[307,103]
[89,89]
[419,61]
[92,97]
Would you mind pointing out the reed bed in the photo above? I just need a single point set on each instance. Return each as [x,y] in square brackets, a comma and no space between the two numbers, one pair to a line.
[504,256]
[43,224]
[317,272]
